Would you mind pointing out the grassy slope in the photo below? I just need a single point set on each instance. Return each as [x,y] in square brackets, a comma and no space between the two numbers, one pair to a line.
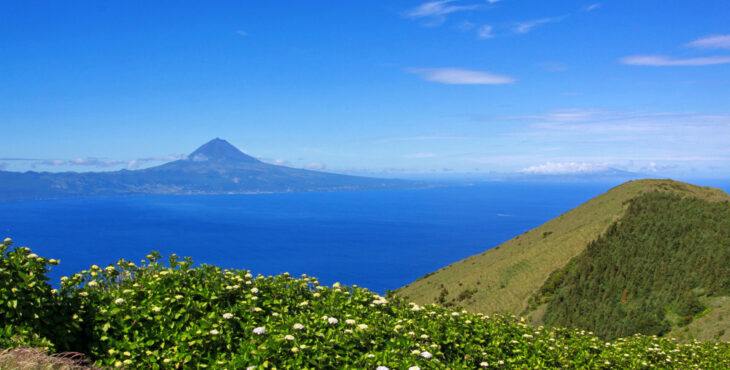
[507,276]
[710,325]
[647,272]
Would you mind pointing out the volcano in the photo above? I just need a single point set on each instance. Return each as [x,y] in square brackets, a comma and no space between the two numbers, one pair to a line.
[216,167]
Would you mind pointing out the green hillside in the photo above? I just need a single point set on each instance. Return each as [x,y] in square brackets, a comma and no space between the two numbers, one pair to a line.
[175,314]
[503,279]
[647,272]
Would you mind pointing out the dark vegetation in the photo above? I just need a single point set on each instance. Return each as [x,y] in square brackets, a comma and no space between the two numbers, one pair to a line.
[647,272]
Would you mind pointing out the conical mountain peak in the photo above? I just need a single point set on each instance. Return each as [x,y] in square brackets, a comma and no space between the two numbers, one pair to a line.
[219,150]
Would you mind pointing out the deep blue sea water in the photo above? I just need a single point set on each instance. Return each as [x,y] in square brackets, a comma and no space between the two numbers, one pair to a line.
[376,239]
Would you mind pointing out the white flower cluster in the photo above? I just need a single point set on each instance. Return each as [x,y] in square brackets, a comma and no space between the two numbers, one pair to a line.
[380,300]
[259,330]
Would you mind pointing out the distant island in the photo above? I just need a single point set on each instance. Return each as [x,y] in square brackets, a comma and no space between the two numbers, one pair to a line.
[217,167]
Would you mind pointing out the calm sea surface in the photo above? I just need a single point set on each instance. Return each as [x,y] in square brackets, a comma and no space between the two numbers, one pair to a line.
[377,239]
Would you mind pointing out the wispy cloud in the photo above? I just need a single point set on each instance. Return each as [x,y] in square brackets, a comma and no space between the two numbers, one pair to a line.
[664,61]
[3,166]
[565,168]
[105,163]
[565,115]
[315,166]
[418,138]
[436,11]
[281,162]
[438,8]
[137,163]
[653,167]
[242,33]
[525,27]
[589,139]
[420,155]
[95,162]
[485,32]
[646,136]
[458,76]
[592,7]
[599,120]
[711,42]
[553,66]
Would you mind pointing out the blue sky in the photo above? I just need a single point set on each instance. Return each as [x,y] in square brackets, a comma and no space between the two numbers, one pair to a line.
[369,87]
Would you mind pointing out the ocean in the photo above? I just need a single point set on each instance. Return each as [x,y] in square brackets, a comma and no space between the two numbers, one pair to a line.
[376,239]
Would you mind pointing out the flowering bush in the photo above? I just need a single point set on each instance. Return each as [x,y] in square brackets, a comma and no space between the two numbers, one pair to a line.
[176,314]
[27,303]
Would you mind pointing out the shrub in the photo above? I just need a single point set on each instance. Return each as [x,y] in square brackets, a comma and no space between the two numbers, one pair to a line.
[177,314]
[27,302]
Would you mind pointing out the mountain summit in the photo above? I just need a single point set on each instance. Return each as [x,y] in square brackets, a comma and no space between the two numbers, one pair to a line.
[647,256]
[217,167]
[221,151]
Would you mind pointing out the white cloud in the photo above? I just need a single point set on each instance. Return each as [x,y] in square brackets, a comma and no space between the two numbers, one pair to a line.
[276,161]
[316,166]
[603,121]
[139,162]
[565,168]
[525,27]
[592,7]
[485,32]
[564,115]
[52,162]
[437,9]
[653,167]
[664,61]
[711,42]
[106,163]
[625,135]
[457,76]
[95,162]
[434,12]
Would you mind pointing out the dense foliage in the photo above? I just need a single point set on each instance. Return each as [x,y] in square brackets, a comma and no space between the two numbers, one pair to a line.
[651,266]
[27,302]
[175,314]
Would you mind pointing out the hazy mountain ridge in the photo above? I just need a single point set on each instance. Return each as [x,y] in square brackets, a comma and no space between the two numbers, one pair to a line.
[217,167]
[503,279]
